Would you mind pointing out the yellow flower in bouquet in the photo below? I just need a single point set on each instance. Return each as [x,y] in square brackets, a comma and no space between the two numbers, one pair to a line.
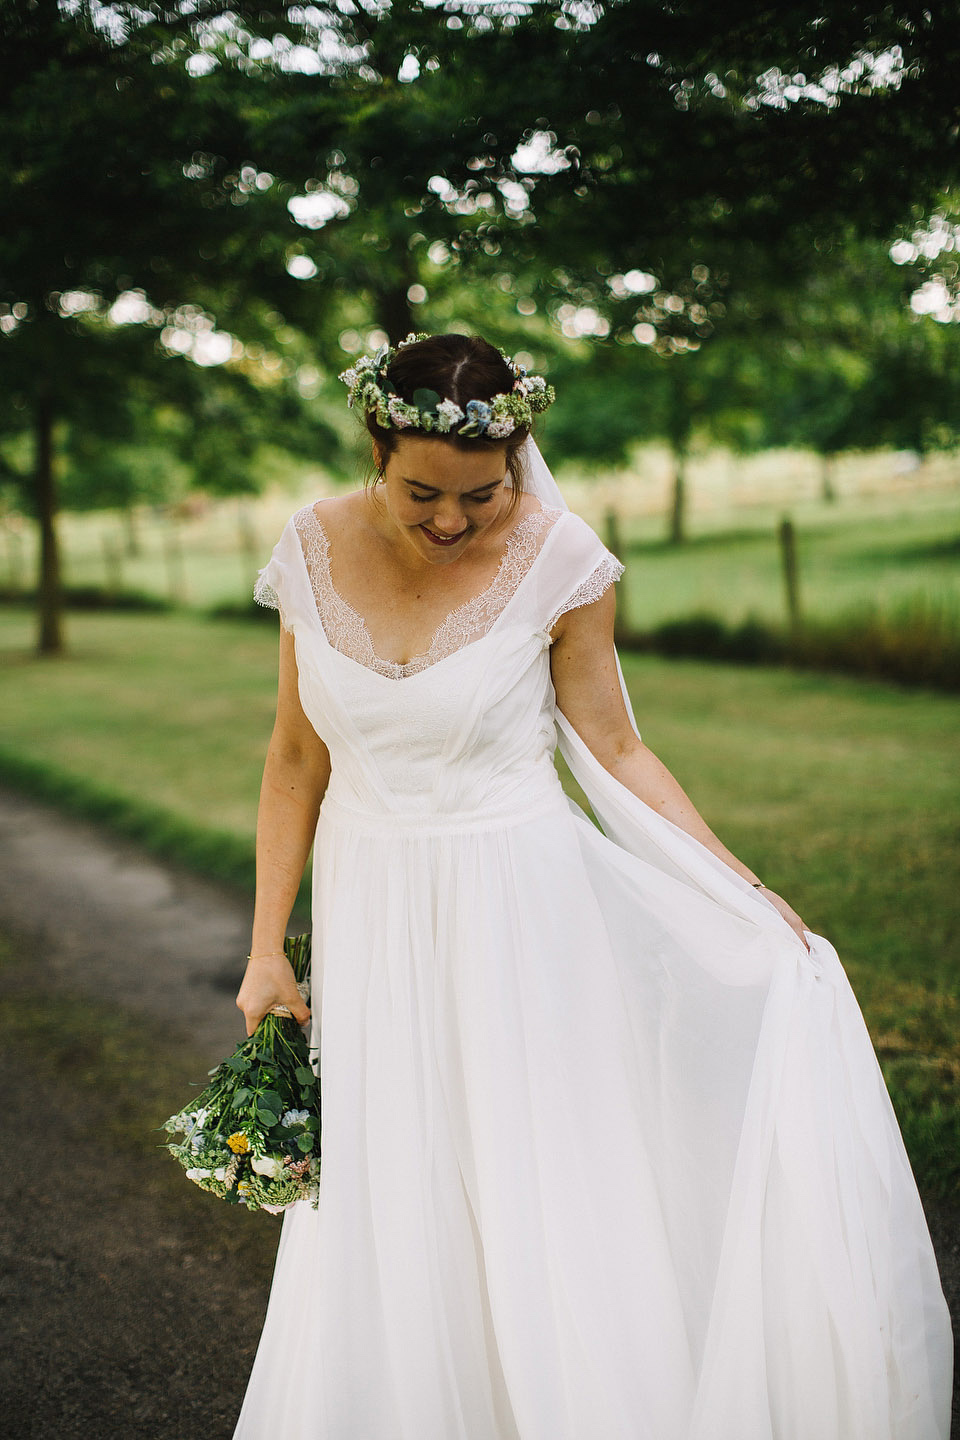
[253,1135]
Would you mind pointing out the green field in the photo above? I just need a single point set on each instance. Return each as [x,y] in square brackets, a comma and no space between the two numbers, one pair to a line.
[866,549]
[847,559]
[844,795]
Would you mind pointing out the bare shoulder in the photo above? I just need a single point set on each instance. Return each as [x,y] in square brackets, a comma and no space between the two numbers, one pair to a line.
[343,515]
[527,505]
[340,507]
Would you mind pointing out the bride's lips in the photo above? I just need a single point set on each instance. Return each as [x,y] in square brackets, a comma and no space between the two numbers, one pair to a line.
[441,540]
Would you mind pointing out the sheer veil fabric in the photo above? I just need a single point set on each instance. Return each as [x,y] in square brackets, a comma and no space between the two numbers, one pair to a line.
[607,1152]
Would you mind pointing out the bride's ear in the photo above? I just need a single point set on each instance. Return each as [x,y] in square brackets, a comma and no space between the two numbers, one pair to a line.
[379,458]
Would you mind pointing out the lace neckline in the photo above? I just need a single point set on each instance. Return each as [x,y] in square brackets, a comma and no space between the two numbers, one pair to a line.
[346,630]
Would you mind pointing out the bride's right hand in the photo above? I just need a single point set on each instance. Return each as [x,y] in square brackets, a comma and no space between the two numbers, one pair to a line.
[269,980]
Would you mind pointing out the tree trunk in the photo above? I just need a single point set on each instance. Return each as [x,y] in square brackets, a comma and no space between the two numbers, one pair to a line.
[828,491]
[50,590]
[678,505]
[393,314]
[130,529]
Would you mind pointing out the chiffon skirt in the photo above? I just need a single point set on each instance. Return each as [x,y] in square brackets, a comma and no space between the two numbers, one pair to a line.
[602,1160]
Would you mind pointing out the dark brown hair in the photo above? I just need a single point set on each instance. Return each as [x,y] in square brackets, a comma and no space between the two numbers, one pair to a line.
[458,368]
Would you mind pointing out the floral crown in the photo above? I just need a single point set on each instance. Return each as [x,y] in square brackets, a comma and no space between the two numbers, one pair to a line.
[373,392]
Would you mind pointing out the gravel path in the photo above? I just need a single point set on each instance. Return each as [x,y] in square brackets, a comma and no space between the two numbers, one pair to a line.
[113,921]
[130,1303]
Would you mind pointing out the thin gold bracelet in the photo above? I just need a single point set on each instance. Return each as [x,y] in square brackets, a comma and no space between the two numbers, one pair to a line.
[268,955]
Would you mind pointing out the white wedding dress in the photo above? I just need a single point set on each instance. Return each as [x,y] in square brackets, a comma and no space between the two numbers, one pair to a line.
[607,1154]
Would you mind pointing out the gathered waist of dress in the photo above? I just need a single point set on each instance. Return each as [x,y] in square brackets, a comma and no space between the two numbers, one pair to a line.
[506,813]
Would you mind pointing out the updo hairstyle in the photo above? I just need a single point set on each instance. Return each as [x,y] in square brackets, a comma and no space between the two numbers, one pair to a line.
[459,368]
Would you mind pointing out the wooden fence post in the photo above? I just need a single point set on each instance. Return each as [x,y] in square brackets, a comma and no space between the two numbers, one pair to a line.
[113,566]
[791,575]
[173,554]
[614,537]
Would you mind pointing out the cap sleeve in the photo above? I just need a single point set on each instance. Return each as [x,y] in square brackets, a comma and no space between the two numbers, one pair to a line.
[576,570]
[605,573]
[282,583]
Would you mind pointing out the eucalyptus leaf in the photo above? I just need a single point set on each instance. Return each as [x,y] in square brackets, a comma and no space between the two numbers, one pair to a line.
[425,400]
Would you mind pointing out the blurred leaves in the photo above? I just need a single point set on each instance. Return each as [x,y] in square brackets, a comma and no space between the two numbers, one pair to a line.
[254,182]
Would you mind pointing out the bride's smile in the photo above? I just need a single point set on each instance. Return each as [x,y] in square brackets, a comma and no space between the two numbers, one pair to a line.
[437,500]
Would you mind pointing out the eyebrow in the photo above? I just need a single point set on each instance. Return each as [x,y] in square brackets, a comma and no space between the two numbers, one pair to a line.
[489,485]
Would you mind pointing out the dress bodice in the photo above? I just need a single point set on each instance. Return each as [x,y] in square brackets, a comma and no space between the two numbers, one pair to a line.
[465,730]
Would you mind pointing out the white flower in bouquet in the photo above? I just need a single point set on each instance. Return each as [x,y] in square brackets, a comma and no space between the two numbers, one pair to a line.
[267,1165]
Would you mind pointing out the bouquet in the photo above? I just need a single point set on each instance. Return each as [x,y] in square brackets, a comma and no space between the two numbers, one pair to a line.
[253,1135]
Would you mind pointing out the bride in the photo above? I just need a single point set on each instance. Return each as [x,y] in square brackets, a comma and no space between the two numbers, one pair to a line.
[607,1154]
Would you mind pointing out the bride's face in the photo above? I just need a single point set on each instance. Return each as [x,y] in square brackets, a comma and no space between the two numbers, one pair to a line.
[439,498]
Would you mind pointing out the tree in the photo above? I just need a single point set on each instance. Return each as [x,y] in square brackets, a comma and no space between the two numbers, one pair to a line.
[849,364]
[100,109]
[669,168]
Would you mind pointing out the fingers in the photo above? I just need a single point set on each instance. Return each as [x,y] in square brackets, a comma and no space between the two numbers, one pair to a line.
[300,1012]
[798,927]
[792,919]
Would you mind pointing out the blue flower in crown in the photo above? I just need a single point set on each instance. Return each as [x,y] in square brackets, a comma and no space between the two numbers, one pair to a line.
[479,415]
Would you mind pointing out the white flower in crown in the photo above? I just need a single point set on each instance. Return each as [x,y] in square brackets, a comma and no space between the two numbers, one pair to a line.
[500,429]
[400,414]
[449,413]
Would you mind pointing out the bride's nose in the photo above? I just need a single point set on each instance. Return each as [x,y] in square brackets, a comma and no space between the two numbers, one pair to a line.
[449,519]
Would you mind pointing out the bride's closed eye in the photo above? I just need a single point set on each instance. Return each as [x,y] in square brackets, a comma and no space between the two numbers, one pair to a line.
[473,499]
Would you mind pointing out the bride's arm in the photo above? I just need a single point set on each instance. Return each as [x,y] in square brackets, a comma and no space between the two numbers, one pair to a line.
[584,671]
[295,777]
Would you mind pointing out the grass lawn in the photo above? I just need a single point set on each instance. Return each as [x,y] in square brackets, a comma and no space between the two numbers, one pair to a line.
[863,549]
[852,556]
[842,794]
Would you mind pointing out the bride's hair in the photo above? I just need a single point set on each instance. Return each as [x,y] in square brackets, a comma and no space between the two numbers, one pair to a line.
[459,368]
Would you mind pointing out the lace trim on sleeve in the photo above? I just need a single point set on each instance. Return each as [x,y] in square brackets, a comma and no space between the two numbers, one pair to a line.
[266,595]
[596,584]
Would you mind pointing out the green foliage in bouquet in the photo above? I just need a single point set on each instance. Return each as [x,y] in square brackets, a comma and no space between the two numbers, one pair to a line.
[253,1135]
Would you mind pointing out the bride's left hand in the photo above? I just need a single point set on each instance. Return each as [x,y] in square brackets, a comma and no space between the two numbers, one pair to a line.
[788,913]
